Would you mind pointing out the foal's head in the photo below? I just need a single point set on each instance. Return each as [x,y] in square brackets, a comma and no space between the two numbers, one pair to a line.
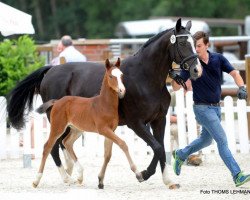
[114,76]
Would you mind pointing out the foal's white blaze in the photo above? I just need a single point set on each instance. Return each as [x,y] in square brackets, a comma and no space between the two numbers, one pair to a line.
[121,88]
[198,66]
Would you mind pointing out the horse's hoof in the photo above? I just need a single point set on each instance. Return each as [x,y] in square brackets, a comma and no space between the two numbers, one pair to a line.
[69,181]
[79,181]
[139,177]
[34,185]
[145,175]
[100,186]
[69,171]
[174,186]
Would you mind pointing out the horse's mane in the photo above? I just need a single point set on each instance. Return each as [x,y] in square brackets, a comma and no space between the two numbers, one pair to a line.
[152,39]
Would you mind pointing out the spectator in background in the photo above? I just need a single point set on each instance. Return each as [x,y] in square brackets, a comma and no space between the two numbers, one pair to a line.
[66,50]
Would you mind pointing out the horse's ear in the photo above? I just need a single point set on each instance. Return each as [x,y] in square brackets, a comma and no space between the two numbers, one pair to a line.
[118,63]
[107,63]
[188,26]
[178,25]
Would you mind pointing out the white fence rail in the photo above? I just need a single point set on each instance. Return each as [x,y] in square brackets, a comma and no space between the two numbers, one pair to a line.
[30,141]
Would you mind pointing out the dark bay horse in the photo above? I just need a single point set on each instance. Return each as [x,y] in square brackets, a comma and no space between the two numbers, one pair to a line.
[147,98]
[96,114]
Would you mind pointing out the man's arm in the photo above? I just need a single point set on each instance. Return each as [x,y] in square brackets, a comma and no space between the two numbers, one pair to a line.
[242,92]
[237,78]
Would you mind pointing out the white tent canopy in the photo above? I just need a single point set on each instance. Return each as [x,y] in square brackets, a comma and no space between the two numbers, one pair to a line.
[154,26]
[13,21]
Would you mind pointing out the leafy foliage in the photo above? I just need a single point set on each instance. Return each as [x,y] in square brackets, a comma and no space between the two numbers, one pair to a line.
[18,58]
[98,19]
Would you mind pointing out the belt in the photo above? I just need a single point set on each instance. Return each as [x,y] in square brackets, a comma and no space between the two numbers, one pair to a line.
[208,104]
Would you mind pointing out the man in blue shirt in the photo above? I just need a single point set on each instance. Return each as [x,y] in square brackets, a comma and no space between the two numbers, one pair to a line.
[206,96]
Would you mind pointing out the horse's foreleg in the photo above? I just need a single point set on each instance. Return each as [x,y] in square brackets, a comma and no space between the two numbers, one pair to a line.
[122,144]
[144,132]
[68,143]
[107,155]
[158,127]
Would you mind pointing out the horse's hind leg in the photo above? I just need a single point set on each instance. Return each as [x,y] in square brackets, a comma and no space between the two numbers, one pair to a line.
[56,157]
[68,143]
[46,150]
[68,160]
[107,155]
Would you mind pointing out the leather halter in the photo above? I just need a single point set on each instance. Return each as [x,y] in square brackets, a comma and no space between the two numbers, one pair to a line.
[183,64]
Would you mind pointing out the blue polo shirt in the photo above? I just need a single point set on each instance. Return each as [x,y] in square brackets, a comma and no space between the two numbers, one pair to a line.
[207,88]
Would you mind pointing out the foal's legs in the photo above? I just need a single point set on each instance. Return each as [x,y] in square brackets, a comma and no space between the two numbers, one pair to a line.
[65,174]
[122,144]
[68,160]
[46,150]
[107,155]
[56,156]
[68,143]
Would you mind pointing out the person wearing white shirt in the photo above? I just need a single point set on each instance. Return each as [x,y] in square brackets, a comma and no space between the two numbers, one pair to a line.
[68,52]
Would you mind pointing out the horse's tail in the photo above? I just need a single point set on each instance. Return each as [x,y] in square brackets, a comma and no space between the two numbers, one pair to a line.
[21,97]
[44,107]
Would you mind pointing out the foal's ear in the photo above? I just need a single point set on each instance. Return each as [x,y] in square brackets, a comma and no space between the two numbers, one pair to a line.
[178,25]
[189,24]
[107,63]
[118,63]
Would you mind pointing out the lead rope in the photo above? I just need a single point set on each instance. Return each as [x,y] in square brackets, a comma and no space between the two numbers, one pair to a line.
[178,79]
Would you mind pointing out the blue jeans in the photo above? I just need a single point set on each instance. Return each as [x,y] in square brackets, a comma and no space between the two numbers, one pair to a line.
[209,118]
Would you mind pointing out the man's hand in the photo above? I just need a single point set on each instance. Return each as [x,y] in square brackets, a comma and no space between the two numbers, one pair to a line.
[242,93]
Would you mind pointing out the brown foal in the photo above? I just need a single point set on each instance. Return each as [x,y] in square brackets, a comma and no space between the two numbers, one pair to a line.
[97,114]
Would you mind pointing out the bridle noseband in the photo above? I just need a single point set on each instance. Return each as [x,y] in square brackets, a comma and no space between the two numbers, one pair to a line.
[183,64]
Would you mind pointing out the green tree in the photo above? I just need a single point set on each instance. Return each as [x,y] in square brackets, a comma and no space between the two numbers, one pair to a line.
[98,19]
[18,58]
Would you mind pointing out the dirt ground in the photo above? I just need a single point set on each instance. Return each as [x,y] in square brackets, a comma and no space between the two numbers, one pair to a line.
[211,180]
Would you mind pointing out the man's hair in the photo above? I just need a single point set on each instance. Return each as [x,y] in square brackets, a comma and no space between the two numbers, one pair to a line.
[66,41]
[200,34]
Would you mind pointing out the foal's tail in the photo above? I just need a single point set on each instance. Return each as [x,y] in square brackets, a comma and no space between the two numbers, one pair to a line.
[44,107]
[21,97]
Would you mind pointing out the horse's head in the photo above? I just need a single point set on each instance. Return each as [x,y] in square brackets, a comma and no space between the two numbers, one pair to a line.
[114,76]
[183,51]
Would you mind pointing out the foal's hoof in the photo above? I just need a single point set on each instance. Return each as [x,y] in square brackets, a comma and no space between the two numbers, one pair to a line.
[69,171]
[100,186]
[69,181]
[34,185]
[174,186]
[79,181]
[139,177]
